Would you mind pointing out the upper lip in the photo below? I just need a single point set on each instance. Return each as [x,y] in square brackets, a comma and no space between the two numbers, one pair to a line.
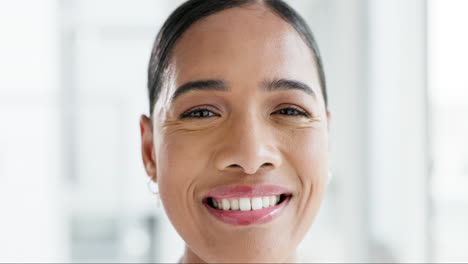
[237,191]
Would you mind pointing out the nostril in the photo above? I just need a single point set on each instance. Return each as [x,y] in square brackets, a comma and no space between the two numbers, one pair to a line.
[253,169]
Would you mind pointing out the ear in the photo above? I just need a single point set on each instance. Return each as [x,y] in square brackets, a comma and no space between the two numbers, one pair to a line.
[147,147]
[328,119]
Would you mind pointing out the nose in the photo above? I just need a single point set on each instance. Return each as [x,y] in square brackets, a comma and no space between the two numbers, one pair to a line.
[249,145]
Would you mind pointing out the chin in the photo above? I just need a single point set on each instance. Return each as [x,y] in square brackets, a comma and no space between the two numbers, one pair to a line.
[263,255]
[248,259]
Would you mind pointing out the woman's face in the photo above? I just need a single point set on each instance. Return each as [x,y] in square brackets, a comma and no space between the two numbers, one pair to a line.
[254,67]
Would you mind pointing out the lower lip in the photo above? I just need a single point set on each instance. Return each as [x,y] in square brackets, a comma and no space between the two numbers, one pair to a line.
[252,217]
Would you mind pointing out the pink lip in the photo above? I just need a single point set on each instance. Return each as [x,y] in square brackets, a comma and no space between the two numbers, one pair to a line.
[251,217]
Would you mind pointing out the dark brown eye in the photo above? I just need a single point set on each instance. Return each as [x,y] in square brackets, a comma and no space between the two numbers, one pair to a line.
[198,113]
[205,113]
[292,111]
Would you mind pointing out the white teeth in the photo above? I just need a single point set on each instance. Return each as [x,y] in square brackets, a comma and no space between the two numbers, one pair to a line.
[244,204]
[234,204]
[272,200]
[265,202]
[226,204]
[257,203]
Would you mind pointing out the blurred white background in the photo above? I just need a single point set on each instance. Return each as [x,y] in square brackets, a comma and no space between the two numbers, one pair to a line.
[73,85]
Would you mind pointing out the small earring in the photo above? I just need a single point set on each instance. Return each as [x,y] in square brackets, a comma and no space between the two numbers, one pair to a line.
[153,187]
[330,176]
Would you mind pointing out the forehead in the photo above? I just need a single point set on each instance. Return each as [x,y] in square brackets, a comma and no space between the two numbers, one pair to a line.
[243,44]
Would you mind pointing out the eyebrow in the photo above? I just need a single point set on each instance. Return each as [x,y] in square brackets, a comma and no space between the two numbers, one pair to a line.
[287,84]
[221,85]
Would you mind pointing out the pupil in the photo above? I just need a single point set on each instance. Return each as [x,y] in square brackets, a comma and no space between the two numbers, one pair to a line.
[202,113]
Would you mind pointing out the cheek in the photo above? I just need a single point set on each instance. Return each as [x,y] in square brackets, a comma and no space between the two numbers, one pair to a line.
[308,153]
[182,161]
[177,159]
[179,163]
[309,157]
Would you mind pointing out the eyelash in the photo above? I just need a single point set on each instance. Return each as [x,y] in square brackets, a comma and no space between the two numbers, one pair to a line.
[199,110]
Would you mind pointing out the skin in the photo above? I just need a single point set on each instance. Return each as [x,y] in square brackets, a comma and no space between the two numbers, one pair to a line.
[244,140]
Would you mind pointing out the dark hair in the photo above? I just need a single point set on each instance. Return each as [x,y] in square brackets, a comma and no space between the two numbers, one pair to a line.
[192,11]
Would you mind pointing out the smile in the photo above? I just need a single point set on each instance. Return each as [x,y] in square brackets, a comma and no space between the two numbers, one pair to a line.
[247,205]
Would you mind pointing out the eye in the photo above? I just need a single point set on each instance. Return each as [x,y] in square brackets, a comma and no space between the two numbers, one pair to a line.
[198,113]
[204,113]
[292,111]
